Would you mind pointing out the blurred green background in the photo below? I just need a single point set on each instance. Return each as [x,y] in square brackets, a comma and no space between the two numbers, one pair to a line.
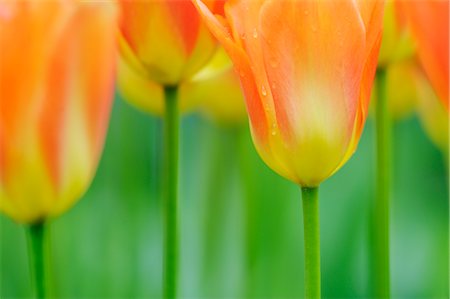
[241,223]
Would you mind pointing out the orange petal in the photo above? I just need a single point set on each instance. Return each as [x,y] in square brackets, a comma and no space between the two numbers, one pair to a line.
[429,21]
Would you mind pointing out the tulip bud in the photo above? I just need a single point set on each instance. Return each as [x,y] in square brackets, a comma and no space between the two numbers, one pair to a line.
[307,76]
[56,90]
[165,40]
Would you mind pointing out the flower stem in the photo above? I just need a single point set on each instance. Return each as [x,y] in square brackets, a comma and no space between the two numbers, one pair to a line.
[381,208]
[36,251]
[311,225]
[171,227]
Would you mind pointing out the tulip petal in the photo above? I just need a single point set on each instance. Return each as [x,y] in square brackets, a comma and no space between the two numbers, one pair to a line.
[430,25]
[241,61]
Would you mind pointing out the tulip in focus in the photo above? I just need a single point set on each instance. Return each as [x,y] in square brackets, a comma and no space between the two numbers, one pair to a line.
[306,75]
[56,89]
[165,40]
[429,21]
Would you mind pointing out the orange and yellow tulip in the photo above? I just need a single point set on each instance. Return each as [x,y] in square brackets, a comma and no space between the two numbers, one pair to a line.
[307,77]
[56,89]
[429,22]
[165,40]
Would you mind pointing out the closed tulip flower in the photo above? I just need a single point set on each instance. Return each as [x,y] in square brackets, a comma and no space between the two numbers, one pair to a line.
[165,40]
[56,89]
[56,78]
[306,69]
[306,75]
[429,22]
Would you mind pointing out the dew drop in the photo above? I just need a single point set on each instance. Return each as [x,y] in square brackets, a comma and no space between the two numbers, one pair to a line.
[263,90]
[255,33]
[274,132]
[306,12]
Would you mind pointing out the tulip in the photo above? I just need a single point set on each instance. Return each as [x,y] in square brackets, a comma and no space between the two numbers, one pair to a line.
[307,77]
[308,99]
[56,90]
[57,72]
[429,22]
[165,40]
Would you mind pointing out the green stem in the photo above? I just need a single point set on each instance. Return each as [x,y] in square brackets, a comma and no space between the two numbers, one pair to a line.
[311,225]
[36,249]
[381,209]
[171,227]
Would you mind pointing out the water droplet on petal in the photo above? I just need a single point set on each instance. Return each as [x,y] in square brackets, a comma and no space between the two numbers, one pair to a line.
[263,90]
[306,12]
[255,33]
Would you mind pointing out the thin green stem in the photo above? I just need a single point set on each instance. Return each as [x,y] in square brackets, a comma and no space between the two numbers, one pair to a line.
[171,226]
[311,225]
[381,208]
[36,251]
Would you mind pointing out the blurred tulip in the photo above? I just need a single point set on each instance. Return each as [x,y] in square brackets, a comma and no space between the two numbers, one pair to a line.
[56,90]
[433,114]
[397,44]
[429,21]
[401,89]
[215,90]
[165,40]
[306,76]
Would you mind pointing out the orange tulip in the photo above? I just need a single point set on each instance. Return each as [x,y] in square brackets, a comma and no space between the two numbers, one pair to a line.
[56,89]
[165,40]
[307,69]
[429,21]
